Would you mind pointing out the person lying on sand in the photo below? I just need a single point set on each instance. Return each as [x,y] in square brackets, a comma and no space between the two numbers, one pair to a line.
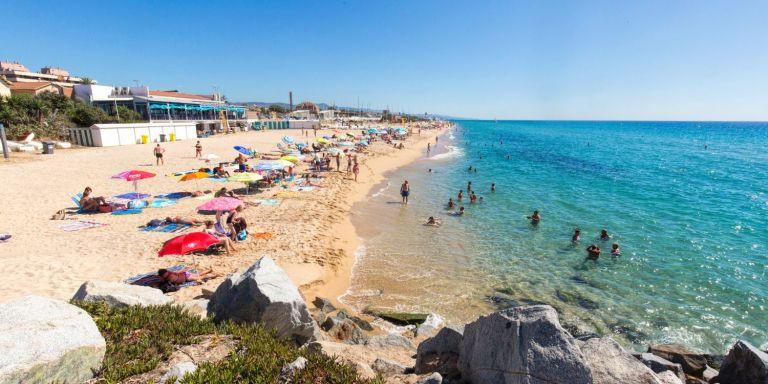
[223,192]
[183,220]
[186,276]
[223,239]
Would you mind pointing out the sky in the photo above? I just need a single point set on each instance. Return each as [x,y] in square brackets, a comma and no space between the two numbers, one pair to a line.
[536,59]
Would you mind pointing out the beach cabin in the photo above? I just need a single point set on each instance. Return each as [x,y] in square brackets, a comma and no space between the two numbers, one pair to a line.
[110,135]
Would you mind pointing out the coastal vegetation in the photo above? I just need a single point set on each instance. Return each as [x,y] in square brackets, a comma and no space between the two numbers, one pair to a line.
[48,115]
[140,338]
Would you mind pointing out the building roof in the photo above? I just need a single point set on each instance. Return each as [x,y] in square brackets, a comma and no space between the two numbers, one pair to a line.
[33,85]
[180,95]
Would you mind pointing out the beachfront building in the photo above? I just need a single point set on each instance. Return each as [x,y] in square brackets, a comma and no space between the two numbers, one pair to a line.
[210,112]
[35,88]
[300,114]
[328,114]
[18,73]
[5,87]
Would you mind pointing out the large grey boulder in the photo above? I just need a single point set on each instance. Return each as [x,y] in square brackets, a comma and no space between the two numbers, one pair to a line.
[387,367]
[744,364]
[669,377]
[264,294]
[323,304]
[434,378]
[44,340]
[522,345]
[345,330]
[440,353]
[120,294]
[389,340]
[659,364]
[610,364]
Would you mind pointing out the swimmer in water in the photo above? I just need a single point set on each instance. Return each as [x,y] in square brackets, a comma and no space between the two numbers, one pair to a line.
[461,194]
[493,187]
[430,170]
[469,169]
[433,222]
[593,252]
[450,203]
[461,211]
[535,217]
[576,236]
[481,199]
[615,250]
[469,186]
[604,236]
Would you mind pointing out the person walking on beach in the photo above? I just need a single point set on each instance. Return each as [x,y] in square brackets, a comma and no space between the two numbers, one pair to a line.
[429,147]
[338,162]
[159,155]
[198,149]
[356,170]
[405,190]
[315,130]
[349,164]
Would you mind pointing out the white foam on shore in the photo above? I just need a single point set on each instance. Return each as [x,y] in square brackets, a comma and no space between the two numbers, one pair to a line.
[382,190]
[452,152]
[359,254]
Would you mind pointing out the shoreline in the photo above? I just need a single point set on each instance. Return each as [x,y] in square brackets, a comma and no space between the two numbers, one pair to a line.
[334,283]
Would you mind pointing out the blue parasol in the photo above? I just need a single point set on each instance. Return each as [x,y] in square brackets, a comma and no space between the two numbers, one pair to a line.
[243,150]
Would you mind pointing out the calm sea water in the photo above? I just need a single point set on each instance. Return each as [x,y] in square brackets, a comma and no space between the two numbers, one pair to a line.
[688,202]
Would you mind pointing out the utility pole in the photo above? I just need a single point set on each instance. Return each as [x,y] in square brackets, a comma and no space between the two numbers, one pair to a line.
[4,141]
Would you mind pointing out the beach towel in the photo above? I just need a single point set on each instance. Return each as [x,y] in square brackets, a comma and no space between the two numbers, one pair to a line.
[268,202]
[173,196]
[132,196]
[263,235]
[166,228]
[78,225]
[161,203]
[126,212]
[152,279]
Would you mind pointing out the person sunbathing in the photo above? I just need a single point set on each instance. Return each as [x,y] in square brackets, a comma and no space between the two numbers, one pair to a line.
[183,220]
[88,203]
[223,239]
[187,276]
[223,192]
[221,173]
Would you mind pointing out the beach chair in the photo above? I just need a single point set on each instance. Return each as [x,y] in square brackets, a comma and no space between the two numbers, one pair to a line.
[76,199]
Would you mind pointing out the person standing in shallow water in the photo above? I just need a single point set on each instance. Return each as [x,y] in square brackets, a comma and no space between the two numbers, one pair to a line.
[405,191]
[535,218]
[493,187]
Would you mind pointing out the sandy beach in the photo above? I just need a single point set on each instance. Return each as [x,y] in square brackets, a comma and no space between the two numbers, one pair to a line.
[314,239]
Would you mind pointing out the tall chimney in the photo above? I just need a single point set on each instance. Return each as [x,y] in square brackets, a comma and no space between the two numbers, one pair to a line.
[290,101]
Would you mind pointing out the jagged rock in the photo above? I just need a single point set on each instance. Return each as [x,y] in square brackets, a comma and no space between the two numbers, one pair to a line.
[390,340]
[387,367]
[744,364]
[440,353]
[264,294]
[47,340]
[323,304]
[288,371]
[178,371]
[434,378]
[120,294]
[693,364]
[342,314]
[430,326]
[521,345]
[610,364]
[709,374]
[197,307]
[659,364]
[669,377]
[345,330]
[364,325]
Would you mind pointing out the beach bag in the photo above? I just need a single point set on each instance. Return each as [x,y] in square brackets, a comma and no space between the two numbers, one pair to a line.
[242,235]
[137,204]
[59,215]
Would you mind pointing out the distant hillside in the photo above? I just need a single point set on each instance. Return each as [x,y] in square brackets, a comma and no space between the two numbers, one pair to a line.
[326,106]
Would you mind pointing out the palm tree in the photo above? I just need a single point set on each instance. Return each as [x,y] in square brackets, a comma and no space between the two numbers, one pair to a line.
[86,80]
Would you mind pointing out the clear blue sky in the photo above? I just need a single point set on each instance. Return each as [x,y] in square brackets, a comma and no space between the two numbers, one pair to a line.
[667,60]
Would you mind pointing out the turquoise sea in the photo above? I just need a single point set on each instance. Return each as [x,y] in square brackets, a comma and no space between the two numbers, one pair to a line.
[687,201]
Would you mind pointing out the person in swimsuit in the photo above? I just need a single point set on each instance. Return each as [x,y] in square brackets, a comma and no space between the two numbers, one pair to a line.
[604,236]
[450,203]
[198,149]
[223,239]
[88,203]
[461,195]
[493,187]
[535,218]
[593,252]
[460,212]
[615,250]
[433,222]
[223,192]
[186,276]
[183,220]
[405,191]
[469,186]
[356,170]
[159,155]
[338,162]
[235,222]
[576,236]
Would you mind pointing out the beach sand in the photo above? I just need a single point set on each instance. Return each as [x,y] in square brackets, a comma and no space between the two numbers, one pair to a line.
[314,240]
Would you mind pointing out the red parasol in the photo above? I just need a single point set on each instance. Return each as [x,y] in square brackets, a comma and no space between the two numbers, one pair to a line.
[191,242]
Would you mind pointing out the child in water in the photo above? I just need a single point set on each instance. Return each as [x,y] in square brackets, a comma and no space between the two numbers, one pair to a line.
[615,250]
[535,217]
[433,222]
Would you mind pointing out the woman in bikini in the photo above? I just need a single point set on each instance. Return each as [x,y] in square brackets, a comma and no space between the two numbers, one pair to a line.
[182,277]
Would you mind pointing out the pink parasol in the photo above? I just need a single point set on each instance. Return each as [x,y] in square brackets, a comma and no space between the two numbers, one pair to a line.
[221,204]
[135,176]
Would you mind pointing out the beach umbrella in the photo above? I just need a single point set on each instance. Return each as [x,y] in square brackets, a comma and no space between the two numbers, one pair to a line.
[190,242]
[209,157]
[322,140]
[288,139]
[327,137]
[134,176]
[221,204]
[272,165]
[243,150]
[292,159]
[335,151]
[195,176]
[363,143]
[245,177]
[346,144]
[373,130]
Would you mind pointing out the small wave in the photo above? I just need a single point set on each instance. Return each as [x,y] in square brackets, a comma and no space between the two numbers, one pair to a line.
[451,136]
[382,190]
[452,152]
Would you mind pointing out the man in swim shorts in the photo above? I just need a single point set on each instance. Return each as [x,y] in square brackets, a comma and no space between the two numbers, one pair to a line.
[405,190]
[159,155]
